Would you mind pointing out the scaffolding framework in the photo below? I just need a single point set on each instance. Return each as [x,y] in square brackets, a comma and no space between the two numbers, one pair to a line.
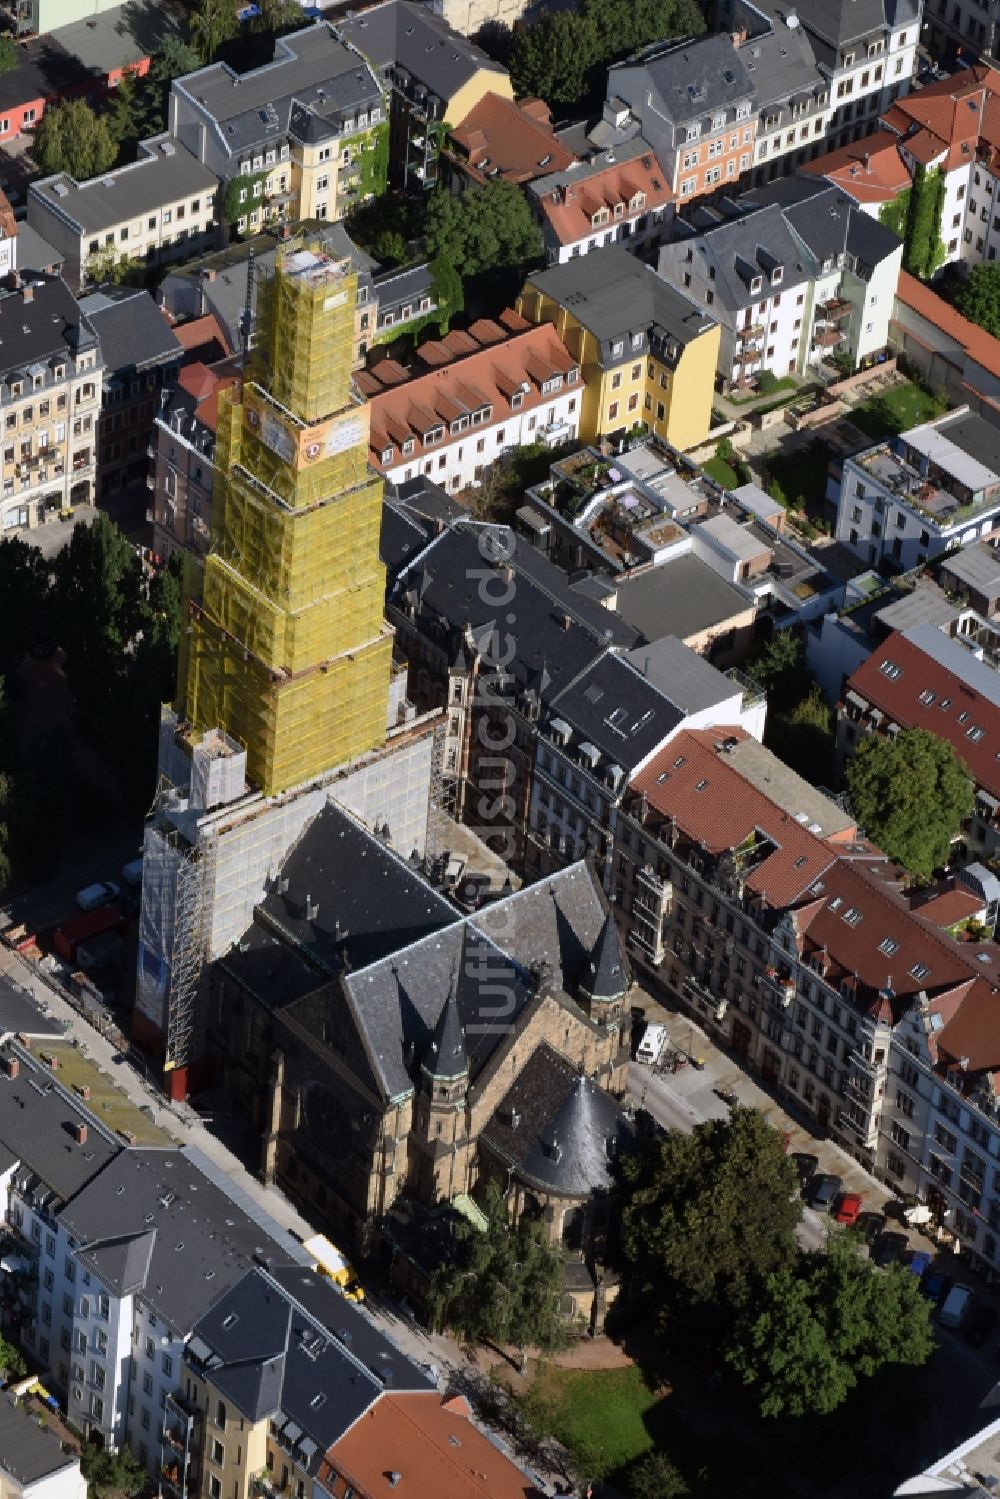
[287,649]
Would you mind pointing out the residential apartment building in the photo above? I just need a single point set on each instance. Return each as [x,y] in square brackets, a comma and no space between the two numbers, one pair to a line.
[183,454]
[432,76]
[496,387]
[33,1461]
[694,103]
[865,58]
[141,357]
[291,140]
[932,488]
[647,352]
[50,401]
[752,900]
[617,197]
[789,284]
[792,93]
[924,678]
[160,208]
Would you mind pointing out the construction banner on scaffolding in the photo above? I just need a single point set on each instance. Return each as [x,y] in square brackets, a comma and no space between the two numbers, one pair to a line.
[299,444]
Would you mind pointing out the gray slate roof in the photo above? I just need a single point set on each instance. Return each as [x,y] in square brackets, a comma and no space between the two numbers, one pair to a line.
[289,1346]
[830,223]
[312,71]
[20,1014]
[694,78]
[34,253]
[613,294]
[690,681]
[37,1122]
[178,1232]
[838,21]
[47,328]
[158,178]
[781,65]
[739,249]
[607,974]
[411,36]
[614,707]
[133,332]
[568,1130]
[28,1452]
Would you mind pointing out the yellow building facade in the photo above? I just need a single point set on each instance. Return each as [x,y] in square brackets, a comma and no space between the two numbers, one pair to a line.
[287,650]
[655,369]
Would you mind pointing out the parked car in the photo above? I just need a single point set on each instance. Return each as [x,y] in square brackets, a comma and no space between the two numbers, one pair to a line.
[936,1286]
[92,896]
[955,1307]
[132,874]
[889,1250]
[807,1166]
[870,1224]
[848,1209]
[823,1192]
[918,1262]
[979,1323]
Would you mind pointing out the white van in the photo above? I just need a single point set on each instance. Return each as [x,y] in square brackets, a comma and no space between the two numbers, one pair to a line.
[92,896]
[654,1039]
[956,1305]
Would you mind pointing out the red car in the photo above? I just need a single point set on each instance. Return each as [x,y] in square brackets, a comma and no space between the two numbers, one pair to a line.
[848,1208]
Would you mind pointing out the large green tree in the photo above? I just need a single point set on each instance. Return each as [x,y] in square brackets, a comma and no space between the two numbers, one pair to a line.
[911,795]
[484,228]
[111,1472]
[779,667]
[978,297]
[563,56]
[10,54]
[24,586]
[172,59]
[708,1215]
[826,1323]
[213,22]
[71,138]
[506,1284]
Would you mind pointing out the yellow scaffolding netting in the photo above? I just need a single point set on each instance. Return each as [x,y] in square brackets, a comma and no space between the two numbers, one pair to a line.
[287,650]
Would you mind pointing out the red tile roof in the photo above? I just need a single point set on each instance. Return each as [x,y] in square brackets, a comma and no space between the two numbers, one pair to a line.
[203,337]
[981,347]
[499,138]
[488,378]
[569,209]
[950,907]
[869,170]
[954,115]
[692,783]
[898,697]
[434,1448]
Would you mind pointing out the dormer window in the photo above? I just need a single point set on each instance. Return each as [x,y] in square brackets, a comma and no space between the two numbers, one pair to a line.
[638,201]
[694,130]
[719,122]
[600,217]
[619,210]
[777,275]
[432,435]
[387,455]
[743,111]
[572,375]
[517,400]
[756,285]
[408,447]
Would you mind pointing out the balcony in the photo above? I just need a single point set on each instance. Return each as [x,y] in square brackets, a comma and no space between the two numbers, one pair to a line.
[834,310]
[748,356]
[827,338]
[753,330]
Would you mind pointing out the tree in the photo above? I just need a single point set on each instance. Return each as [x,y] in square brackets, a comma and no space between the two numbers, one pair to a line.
[803,737]
[655,1477]
[71,138]
[24,586]
[822,1326]
[708,1215]
[122,114]
[213,22]
[780,669]
[106,264]
[172,59]
[506,1285]
[923,248]
[10,55]
[105,1472]
[449,293]
[276,16]
[484,228]
[911,794]
[978,297]
[12,1365]
[390,247]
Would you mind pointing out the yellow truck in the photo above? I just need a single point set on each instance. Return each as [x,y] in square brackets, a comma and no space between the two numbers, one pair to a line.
[330,1261]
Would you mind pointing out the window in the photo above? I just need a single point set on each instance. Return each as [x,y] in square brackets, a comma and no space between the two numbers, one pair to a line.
[147,1383]
[900,1136]
[218,1453]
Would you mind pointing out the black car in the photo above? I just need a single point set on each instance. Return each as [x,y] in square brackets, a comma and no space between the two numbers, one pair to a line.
[889,1249]
[871,1226]
[824,1191]
[806,1166]
[979,1324]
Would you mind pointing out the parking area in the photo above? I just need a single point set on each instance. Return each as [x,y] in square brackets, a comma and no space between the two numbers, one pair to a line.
[685,1098]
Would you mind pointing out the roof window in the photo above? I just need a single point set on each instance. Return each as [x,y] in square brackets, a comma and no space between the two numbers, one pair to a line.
[888,945]
[890,669]
[919,971]
[852,916]
[927,697]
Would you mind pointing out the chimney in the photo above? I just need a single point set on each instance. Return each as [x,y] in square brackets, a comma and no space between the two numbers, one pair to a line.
[209,273]
[867,161]
[28,293]
[11,1066]
[566,621]
[80,1133]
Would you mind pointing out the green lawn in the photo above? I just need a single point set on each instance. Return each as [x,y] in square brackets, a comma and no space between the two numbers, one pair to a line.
[898,408]
[719,470]
[607,1410]
[798,478]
